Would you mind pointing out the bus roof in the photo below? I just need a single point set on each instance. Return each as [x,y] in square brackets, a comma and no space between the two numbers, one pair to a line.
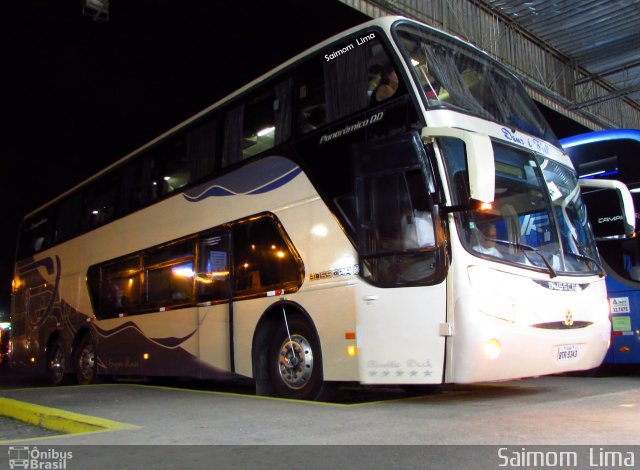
[599,136]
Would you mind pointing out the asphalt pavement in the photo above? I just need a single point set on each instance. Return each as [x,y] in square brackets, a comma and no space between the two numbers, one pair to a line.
[366,425]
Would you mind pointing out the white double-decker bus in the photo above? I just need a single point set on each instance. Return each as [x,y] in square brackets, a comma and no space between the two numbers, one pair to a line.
[388,207]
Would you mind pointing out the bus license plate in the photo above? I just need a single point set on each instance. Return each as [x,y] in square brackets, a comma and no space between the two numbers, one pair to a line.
[567,353]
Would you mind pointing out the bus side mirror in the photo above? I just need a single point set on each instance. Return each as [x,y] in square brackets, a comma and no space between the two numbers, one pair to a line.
[610,208]
[480,160]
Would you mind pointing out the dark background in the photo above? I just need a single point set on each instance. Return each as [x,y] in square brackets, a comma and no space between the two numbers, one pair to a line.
[77,94]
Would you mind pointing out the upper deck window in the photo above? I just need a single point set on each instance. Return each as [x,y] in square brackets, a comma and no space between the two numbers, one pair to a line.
[345,78]
[454,75]
[258,123]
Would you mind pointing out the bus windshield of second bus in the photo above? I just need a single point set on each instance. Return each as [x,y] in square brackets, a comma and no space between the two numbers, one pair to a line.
[614,155]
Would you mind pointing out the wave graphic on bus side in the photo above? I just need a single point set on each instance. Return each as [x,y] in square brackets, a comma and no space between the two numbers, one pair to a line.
[258,178]
[42,293]
[169,342]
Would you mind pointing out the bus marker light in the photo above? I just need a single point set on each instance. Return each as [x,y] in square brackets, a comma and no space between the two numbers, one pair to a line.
[485,206]
[145,356]
[624,349]
[492,349]
[350,335]
[33,359]
[352,350]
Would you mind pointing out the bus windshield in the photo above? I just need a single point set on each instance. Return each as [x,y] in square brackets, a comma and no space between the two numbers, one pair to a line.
[467,80]
[538,219]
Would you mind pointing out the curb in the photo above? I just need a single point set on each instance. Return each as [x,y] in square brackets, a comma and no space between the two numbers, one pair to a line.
[56,419]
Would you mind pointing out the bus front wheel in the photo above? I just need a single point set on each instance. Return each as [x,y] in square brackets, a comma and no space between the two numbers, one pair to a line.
[86,361]
[295,363]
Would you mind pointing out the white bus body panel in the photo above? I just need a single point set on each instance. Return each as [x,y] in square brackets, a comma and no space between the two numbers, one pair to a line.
[398,334]
[496,305]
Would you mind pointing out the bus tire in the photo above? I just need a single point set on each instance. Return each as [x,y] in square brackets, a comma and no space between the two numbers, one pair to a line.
[295,366]
[57,364]
[86,361]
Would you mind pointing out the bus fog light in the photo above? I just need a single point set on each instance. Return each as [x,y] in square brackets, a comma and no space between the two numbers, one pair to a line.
[492,349]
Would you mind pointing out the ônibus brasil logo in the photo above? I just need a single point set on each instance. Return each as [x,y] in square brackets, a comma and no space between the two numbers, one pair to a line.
[34,458]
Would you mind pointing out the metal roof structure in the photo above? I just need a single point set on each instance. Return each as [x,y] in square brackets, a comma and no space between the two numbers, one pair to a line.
[600,36]
[578,57]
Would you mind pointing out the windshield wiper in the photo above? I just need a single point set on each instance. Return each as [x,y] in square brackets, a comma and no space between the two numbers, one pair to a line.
[526,248]
[602,272]
[580,247]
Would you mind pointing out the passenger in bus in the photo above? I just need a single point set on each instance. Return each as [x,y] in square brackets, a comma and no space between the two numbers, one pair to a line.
[316,118]
[387,86]
[487,240]
[417,230]
[114,298]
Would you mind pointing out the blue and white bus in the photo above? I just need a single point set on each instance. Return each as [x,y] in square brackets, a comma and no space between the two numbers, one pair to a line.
[614,154]
[388,207]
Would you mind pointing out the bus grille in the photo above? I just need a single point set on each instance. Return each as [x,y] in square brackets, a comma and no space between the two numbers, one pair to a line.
[558,325]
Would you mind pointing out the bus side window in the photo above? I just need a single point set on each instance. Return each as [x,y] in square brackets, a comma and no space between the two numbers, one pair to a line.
[100,201]
[312,113]
[346,82]
[36,234]
[201,150]
[263,258]
[169,274]
[170,168]
[68,218]
[259,123]
[212,279]
[115,288]
[343,80]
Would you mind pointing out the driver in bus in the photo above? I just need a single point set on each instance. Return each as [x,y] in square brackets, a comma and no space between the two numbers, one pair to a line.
[487,240]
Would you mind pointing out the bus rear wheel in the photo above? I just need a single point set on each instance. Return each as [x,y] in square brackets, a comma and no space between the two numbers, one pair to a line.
[295,363]
[86,361]
[57,364]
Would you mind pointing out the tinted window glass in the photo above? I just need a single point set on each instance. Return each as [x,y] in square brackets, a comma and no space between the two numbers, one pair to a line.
[36,234]
[69,216]
[259,123]
[170,274]
[120,287]
[263,259]
[169,168]
[396,236]
[212,280]
[170,285]
[201,150]
[100,202]
[346,78]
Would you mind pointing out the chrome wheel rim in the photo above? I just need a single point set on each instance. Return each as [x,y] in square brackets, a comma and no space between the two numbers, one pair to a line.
[57,364]
[87,361]
[295,362]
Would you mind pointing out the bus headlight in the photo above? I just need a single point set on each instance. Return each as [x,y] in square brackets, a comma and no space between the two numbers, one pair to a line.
[492,349]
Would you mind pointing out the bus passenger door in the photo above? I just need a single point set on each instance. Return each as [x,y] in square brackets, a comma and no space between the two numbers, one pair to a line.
[401,306]
[215,311]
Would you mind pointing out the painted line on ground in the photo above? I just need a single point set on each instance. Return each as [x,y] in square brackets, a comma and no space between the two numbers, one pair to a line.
[67,422]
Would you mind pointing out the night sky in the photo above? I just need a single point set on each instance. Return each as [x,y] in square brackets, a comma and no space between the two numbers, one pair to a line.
[77,94]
